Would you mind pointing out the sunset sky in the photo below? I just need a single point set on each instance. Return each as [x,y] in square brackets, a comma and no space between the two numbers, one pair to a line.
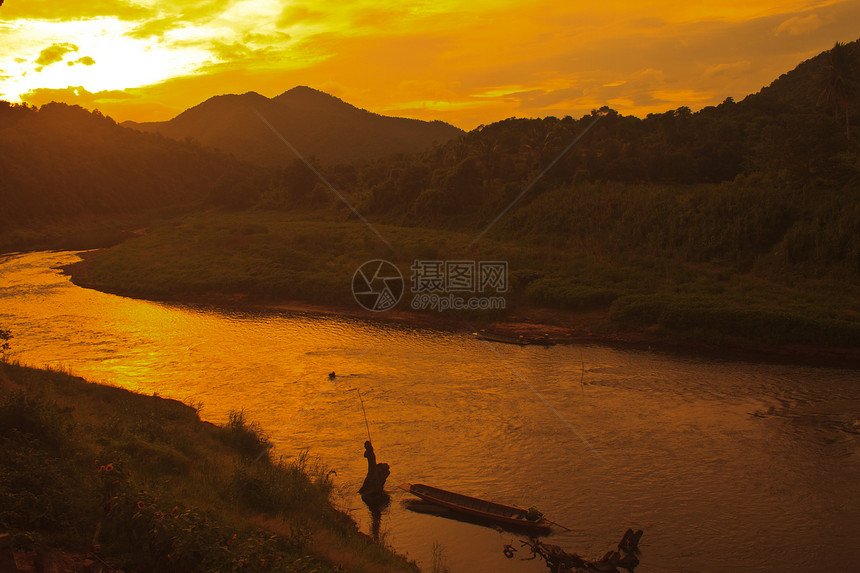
[466,63]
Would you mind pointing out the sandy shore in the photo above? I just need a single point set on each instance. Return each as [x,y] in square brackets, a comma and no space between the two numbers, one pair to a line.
[560,327]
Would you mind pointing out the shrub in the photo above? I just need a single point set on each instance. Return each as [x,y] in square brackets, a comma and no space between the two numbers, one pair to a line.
[5,335]
[33,416]
[245,437]
[563,293]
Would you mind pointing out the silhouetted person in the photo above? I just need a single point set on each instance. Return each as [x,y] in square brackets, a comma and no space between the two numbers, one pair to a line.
[376,474]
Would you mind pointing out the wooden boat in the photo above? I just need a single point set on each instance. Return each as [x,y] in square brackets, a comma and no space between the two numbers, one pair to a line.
[508,339]
[495,337]
[496,512]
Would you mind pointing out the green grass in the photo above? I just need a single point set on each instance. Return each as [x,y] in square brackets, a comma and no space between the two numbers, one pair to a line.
[271,256]
[153,487]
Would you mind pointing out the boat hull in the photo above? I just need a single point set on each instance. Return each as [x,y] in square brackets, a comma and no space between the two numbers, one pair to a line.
[475,507]
[506,339]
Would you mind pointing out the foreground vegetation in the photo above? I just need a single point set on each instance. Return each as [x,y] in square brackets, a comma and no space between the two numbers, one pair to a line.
[140,483]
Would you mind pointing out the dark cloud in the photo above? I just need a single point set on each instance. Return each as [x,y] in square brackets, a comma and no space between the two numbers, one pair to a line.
[153,27]
[53,10]
[239,55]
[86,61]
[53,54]
[175,14]
[297,14]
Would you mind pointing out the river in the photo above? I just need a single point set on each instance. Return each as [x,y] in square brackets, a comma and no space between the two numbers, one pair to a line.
[600,439]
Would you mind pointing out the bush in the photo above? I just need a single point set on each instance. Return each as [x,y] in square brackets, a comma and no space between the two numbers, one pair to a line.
[762,325]
[35,493]
[281,488]
[32,416]
[638,310]
[563,293]
[5,335]
[245,437]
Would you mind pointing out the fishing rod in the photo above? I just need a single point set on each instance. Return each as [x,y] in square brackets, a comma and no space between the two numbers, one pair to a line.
[582,376]
[560,525]
[365,414]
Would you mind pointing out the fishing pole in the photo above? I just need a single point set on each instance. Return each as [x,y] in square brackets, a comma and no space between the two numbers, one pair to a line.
[582,375]
[560,525]
[365,414]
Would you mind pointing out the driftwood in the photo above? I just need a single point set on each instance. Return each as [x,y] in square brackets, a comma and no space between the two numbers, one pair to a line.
[7,557]
[560,561]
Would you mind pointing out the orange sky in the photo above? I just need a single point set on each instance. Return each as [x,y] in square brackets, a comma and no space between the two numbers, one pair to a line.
[466,63]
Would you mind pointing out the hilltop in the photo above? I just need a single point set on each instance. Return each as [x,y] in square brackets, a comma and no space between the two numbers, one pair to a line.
[72,178]
[317,124]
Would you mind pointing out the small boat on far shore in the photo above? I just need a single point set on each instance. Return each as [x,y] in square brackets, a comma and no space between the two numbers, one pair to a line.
[509,339]
[495,337]
[482,509]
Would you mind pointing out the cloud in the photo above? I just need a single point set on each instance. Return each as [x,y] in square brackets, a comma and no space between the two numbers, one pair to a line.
[171,16]
[294,14]
[797,25]
[74,95]
[682,96]
[86,60]
[154,27]
[53,54]
[732,70]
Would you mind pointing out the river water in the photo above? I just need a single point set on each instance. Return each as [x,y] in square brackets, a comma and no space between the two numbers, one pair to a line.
[599,439]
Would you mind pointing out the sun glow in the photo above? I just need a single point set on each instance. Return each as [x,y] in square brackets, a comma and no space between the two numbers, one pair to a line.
[98,55]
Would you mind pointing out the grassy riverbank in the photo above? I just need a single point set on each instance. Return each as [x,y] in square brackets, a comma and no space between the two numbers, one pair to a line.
[267,257]
[140,482]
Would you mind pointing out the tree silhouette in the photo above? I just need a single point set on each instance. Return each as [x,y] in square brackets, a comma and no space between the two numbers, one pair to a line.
[840,81]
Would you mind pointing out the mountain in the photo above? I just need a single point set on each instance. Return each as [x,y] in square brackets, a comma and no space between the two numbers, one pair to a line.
[315,123]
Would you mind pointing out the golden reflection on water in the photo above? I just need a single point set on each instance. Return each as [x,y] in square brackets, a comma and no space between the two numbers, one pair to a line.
[682,458]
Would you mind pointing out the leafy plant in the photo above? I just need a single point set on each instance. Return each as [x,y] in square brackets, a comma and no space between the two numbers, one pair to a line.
[5,335]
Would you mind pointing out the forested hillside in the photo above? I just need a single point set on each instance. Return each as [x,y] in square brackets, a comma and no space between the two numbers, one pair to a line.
[62,162]
[772,180]
[792,134]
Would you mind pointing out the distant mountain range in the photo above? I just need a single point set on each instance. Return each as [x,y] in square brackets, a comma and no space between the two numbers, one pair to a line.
[315,123]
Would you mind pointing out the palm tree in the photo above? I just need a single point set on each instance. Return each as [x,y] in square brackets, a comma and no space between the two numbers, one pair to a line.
[840,81]
[487,153]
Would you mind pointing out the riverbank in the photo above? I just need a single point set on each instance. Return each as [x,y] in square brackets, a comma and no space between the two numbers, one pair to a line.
[530,322]
[100,475]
